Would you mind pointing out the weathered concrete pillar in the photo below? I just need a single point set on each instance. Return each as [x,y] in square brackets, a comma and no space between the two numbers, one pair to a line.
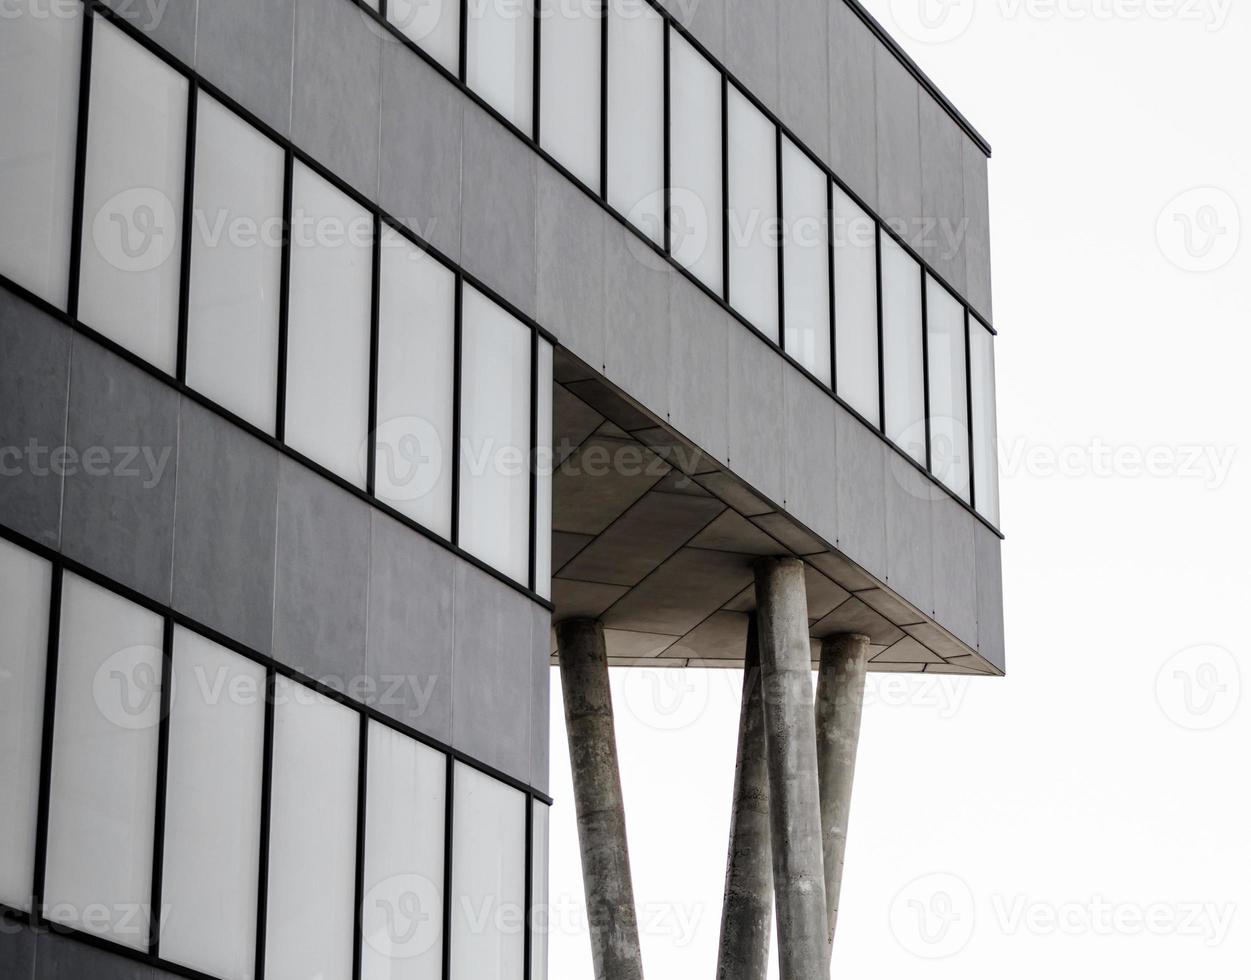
[747,913]
[840,701]
[598,801]
[794,796]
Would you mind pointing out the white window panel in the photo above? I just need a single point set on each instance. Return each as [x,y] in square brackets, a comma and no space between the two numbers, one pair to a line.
[213,809]
[312,838]
[328,333]
[40,58]
[855,306]
[500,52]
[696,209]
[236,265]
[402,915]
[753,213]
[495,436]
[416,367]
[433,25]
[25,593]
[948,389]
[541,917]
[806,271]
[985,422]
[903,359]
[636,114]
[569,89]
[132,210]
[104,760]
[488,878]
[543,476]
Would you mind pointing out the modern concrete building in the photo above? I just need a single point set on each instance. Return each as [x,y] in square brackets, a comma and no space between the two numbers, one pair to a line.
[360,360]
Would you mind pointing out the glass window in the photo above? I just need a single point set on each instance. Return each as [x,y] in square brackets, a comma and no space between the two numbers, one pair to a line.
[433,25]
[903,360]
[312,836]
[855,306]
[985,422]
[753,212]
[948,388]
[696,212]
[806,242]
[39,64]
[488,878]
[103,799]
[327,414]
[213,809]
[495,436]
[569,87]
[416,364]
[132,211]
[500,52]
[236,265]
[540,913]
[636,114]
[543,462]
[402,915]
[25,592]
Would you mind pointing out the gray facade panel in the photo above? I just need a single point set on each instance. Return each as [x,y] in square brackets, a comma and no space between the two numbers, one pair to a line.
[408,655]
[540,698]
[224,527]
[942,192]
[498,209]
[493,672]
[170,23]
[756,415]
[706,19]
[898,145]
[977,234]
[751,39]
[420,167]
[812,457]
[321,576]
[119,503]
[63,958]
[861,493]
[955,570]
[335,112]
[34,385]
[569,255]
[990,632]
[245,48]
[699,346]
[637,286]
[910,533]
[853,102]
[803,71]
[17,952]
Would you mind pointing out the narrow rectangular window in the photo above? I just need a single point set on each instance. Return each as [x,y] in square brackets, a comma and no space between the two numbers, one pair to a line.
[985,422]
[948,388]
[402,914]
[903,359]
[328,334]
[854,235]
[132,205]
[102,807]
[540,912]
[414,454]
[569,90]
[312,838]
[433,25]
[753,213]
[212,809]
[636,115]
[696,210]
[25,594]
[543,462]
[236,265]
[40,58]
[500,50]
[495,436]
[488,878]
[806,279]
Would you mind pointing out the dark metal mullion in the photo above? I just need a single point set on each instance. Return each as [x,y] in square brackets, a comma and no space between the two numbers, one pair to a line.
[49,732]
[267,787]
[162,788]
[603,100]
[449,817]
[667,203]
[80,164]
[780,239]
[725,187]
[462,69]
[371,425]
[968,395]
[382,10]
[284,296]
[188,221]
[362,793]
[881,345]
[925,368]
[528,903]
[833,311]
[457,394]
[534,460]
[536,72]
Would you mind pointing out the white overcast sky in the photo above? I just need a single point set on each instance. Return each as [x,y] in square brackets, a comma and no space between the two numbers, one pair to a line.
[1092,812]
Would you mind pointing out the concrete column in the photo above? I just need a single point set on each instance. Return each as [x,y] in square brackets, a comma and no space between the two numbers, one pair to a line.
[747,912]
[840,700]
[794,796]
[598,801]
